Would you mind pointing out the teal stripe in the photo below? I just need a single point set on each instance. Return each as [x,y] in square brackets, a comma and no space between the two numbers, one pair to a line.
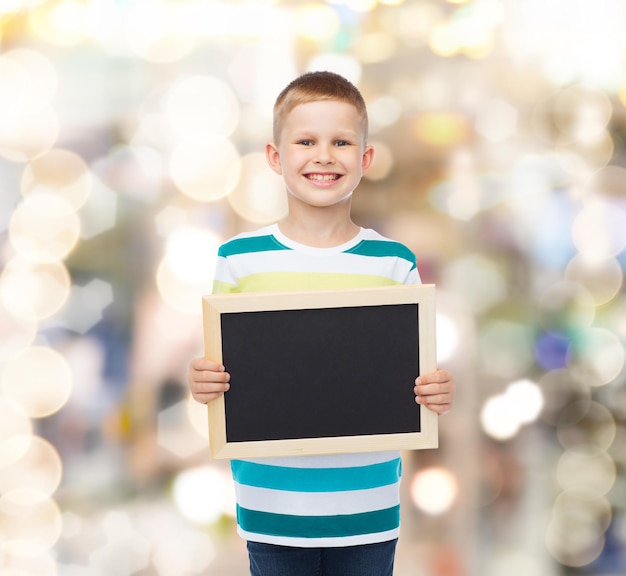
[253,244]
[381,248]
[316,479]
[318,526]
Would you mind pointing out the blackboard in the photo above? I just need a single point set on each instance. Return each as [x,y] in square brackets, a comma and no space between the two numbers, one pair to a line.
[321,371]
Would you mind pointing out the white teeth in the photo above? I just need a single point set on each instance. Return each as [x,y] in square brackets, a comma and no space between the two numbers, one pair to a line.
[322,177]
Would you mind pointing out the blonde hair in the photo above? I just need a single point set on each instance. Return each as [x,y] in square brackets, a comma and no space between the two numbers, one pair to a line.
[315,86]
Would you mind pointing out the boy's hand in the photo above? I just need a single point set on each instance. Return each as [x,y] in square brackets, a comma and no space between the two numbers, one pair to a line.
[435,390]
[207,380]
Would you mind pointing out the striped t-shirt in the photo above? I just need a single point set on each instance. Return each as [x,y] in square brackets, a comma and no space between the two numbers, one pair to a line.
[325,500]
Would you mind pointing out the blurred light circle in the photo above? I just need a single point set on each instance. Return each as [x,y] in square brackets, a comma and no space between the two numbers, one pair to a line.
[44,564]
[496,120]
[200,105]
[413,22]
[260,195]
[315,21]
[62,22]
[38,379]
[514,562]
[479,280]
[384,111]
[596,357]
[204,494]
[575,533]
[360,5]
[180,294]
[440,129]
[136,171]
[443,40]
[15,333]
[587,426]
[29,82]
[566,307]
[583,159]
[186,246]
[506,348]
[582,113]
[126,550]
[551,349]
[374,47]
[44,228]
[188,552]
[602,277]
[597,511]
[560,389]
[503,414]
[59,171]
[383,162]
[15,84]
[527,397]
[34,291]
[615,318]
[586,474]
[35,475]
[498,418]
[154,31]
[15,433]
[205,168]
[447,335]
[434,490]
[30,526]
[28,136]
[599,230]
[607,182]
[469,32]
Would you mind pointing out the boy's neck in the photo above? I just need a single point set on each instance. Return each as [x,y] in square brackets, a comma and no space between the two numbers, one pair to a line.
[320,233]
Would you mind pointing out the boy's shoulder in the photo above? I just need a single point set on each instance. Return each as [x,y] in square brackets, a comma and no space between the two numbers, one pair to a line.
[250,241]
[375,244]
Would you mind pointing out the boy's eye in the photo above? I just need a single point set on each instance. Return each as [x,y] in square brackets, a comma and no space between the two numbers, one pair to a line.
[306,142]
[342,143]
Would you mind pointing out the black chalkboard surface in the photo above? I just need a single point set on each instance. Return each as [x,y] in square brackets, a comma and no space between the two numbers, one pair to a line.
[321,372]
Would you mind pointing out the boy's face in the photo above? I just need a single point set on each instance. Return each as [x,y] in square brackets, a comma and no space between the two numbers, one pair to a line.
[321,154]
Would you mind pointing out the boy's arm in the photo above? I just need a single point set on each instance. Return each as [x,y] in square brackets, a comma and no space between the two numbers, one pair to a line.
[207,380]
[435,390]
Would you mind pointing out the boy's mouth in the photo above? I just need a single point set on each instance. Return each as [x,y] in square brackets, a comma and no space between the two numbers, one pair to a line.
[323,177]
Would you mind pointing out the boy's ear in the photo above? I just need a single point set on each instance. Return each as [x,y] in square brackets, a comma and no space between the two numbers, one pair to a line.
[273,158]
[368,157]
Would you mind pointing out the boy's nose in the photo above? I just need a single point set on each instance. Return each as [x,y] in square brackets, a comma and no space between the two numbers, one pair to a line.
[325,155]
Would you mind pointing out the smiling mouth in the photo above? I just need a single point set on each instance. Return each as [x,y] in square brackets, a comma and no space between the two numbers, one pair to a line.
[323,177]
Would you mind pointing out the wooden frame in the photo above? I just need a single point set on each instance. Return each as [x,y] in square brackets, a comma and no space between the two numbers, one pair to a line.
[233,328]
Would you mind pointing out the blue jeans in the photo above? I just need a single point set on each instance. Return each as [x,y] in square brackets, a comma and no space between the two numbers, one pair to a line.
[367,560]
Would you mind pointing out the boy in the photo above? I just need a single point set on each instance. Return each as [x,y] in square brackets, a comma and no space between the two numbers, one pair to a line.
[329,515]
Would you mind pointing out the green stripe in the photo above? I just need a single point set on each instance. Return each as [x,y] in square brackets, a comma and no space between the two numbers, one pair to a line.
[253,244]
[316,479]
[318,526]
[382,248]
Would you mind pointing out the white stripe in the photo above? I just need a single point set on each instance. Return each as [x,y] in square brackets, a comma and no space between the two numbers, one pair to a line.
[321,542]
[317,503]
[329,460]
[286,261]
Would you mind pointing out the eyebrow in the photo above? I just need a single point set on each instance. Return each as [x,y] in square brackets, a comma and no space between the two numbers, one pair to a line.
[349,134]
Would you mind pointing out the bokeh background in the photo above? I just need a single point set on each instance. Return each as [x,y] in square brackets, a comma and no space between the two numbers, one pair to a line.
[131,141]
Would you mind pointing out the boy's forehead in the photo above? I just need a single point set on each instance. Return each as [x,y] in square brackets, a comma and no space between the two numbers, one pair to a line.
[317,111]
